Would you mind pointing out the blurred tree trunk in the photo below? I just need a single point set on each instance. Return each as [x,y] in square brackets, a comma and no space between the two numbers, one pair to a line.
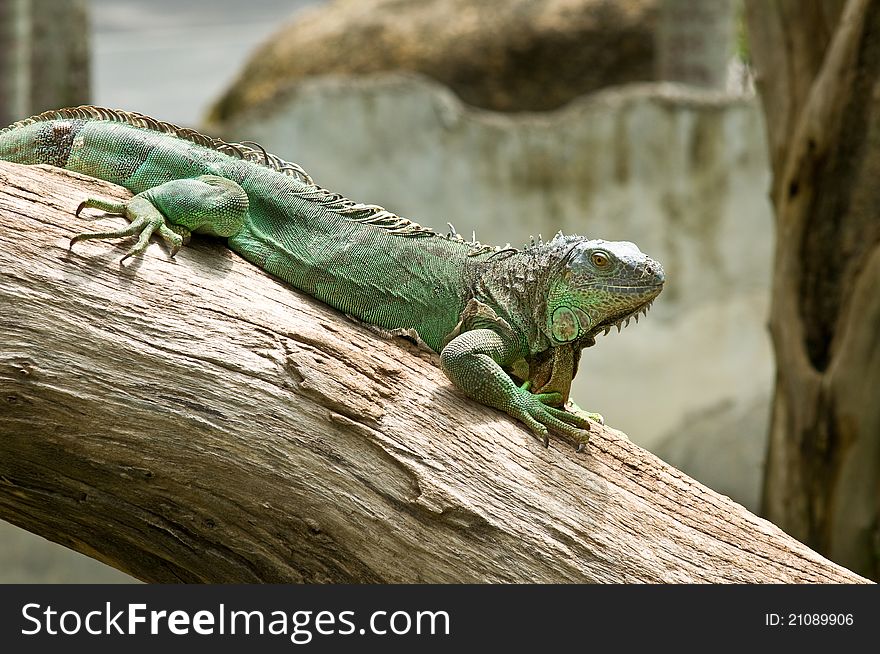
[818,72]
[44,56]
[695,41]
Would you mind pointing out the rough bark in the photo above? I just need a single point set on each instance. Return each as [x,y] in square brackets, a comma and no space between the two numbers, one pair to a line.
[196,420]
[818,71]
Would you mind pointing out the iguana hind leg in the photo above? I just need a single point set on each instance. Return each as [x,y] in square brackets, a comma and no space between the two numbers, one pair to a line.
[206,204]
[145,220]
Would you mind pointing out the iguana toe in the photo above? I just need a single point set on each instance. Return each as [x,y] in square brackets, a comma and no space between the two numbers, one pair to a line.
[551,399]
[538,417]
[145,221]
[590,415]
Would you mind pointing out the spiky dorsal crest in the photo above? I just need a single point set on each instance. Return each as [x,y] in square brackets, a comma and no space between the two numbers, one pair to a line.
[370,214]
[247,151]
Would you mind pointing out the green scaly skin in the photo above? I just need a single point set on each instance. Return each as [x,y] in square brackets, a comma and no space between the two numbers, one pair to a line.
[509,324]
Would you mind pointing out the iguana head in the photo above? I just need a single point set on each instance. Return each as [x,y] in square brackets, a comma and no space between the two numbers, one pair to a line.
[598,285]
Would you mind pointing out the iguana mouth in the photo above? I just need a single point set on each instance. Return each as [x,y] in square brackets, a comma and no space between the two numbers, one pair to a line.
[621,320]
[631,288]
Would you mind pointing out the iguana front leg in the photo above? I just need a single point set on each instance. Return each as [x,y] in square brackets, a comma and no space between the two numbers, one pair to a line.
[473,361]
[206,204]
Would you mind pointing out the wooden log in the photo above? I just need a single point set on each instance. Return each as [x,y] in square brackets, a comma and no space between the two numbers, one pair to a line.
[194,419]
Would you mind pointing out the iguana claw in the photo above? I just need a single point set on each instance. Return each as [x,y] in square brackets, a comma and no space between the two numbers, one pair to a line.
[534,411]
[571,414]
[145,221]
[173,210]
[590,415]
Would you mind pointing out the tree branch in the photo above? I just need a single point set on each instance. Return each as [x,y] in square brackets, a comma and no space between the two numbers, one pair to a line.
[196,420]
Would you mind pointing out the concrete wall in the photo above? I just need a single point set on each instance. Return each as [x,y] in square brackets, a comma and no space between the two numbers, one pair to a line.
[682,173]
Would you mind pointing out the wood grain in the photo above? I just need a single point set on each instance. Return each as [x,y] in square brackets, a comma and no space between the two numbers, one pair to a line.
[196,420]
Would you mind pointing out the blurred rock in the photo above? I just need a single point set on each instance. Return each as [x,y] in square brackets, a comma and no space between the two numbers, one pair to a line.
[505,55]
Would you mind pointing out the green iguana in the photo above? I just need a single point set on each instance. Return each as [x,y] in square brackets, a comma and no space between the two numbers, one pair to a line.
[509,324]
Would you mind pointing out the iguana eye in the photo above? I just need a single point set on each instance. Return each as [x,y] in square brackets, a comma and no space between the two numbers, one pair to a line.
[599,259]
